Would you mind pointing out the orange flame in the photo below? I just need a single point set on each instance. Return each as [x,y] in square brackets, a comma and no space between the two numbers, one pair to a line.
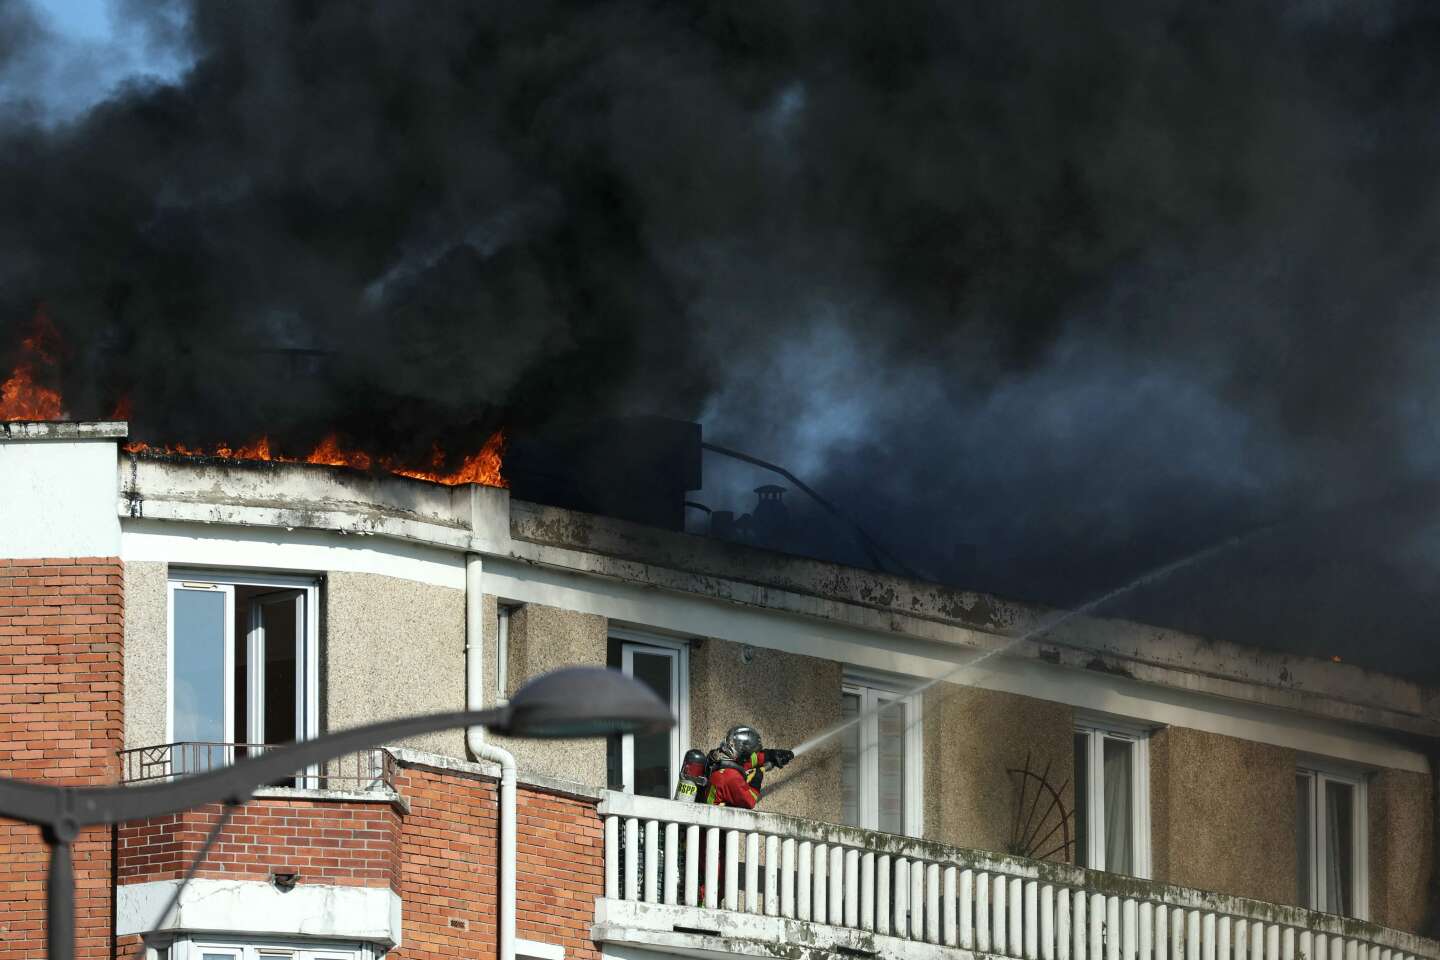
[329,452]
[483,466]
[21,398]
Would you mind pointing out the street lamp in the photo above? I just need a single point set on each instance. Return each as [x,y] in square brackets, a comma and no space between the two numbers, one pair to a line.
[572,702]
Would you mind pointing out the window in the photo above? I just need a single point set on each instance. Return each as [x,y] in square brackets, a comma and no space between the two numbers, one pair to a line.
[243,665]
[1330,842]
[1112,798]
[881,785]
[194,948]
[650,765]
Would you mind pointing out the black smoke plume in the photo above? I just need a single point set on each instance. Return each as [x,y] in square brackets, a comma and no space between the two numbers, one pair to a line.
[1046,292]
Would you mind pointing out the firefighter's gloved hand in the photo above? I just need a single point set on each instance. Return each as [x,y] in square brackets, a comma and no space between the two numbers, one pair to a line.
[779,757]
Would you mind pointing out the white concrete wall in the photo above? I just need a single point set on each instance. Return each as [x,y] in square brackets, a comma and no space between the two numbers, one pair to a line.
[253,907]
[216,546]
[687,615]
[57,498]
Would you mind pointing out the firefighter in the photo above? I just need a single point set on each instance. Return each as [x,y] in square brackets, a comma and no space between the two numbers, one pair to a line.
[736,775]
[737,768]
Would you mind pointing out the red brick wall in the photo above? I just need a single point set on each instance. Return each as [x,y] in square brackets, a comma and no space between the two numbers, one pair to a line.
[61,716]
[61,720]
[447,865]
[334,842]
[448,868]
[561,870]
[440,857]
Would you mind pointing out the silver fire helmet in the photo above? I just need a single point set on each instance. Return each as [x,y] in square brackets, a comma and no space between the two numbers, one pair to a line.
[742,741]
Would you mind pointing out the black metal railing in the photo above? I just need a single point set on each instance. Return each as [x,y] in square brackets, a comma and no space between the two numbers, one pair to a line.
[360,772]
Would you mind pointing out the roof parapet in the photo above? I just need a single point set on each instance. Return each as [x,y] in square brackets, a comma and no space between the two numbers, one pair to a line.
[70,430]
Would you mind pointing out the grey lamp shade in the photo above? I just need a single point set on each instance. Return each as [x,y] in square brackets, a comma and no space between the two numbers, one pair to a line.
[584,702]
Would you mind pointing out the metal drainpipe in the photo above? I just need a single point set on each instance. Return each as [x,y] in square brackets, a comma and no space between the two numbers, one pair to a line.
[475,740]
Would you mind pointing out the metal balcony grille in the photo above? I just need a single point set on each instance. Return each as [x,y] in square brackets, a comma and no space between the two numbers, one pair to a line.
[361,772]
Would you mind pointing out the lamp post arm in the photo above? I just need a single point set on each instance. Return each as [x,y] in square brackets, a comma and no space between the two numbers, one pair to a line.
[48,806]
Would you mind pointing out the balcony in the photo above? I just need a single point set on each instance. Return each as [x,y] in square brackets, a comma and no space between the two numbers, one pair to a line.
[363,772]
[714,881]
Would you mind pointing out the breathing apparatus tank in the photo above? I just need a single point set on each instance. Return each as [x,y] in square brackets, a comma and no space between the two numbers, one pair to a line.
[694,770]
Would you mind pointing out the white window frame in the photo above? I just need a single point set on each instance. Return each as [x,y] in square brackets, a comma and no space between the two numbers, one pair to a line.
[1097,730]
[678,652]
[871,690]
[1320,771]
[260,948]
[308,675]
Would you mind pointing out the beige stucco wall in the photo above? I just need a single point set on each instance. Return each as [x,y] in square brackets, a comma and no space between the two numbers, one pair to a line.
[788,698]
[1222,814]
[392,648]
[146,638]
[542,639]
[972,738]
[1401,824]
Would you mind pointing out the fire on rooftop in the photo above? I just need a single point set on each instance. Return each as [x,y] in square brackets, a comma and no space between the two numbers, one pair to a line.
[25,395]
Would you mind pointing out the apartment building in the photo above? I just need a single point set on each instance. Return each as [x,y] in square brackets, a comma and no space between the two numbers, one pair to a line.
[979,777]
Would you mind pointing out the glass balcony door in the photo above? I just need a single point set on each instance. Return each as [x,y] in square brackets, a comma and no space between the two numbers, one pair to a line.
[650,765]
[241,669]
[202,674]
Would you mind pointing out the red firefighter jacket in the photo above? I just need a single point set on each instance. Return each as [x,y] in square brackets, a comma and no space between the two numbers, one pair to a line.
[737,784]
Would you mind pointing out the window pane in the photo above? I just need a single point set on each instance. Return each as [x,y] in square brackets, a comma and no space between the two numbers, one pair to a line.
[1339,847]
[1081,827]
[614,774]
[850,760]
[652,752]
[200,665]
[891,762]
[1303,838]
[278,619]
[240,678]
[1119,818]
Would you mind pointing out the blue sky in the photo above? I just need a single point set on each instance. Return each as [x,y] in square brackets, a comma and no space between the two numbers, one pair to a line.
[92,46]
[88,20]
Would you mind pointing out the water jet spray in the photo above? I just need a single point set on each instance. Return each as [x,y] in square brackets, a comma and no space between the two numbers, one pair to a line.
[1046,624]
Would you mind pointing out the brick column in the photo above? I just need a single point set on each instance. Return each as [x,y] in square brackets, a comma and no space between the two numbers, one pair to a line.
[61,719]
[448,857]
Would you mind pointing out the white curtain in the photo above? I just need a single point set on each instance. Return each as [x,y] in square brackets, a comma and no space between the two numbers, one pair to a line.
[891,764]
[1119,829]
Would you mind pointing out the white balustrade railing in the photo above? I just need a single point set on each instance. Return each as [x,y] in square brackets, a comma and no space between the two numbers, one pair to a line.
[741,861]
